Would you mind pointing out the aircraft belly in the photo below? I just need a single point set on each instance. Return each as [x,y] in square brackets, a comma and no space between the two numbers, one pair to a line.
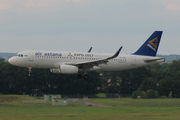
[47,63]
[115,66]
[40,63]
[24,62]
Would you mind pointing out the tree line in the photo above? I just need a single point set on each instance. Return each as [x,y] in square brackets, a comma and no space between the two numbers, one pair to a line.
[156,80]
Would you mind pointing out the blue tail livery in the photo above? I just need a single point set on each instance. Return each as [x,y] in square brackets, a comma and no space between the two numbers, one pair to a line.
[150,47]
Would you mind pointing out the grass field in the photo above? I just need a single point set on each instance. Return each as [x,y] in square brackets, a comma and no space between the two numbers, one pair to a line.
[123,108]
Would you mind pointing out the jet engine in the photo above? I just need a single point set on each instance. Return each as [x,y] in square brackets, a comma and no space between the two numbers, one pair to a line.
[65,69]
[55,70]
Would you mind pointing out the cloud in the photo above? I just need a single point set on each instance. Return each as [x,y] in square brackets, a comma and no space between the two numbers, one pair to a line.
[5,4]
[10,4]
[35,6]
[15,4]
[168,10]
[74,0]
[172,5]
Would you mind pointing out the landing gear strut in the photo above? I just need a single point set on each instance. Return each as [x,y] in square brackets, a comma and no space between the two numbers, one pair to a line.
[29,69]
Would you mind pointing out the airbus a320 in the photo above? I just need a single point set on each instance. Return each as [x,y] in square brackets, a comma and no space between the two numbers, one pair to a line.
[80,62]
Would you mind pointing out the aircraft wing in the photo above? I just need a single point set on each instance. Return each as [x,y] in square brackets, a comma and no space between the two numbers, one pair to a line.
[90,64]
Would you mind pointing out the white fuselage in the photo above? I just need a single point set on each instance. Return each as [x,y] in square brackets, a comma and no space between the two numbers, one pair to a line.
[52,59]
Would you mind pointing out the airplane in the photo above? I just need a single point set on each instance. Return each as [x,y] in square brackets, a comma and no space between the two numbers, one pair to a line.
[79,62]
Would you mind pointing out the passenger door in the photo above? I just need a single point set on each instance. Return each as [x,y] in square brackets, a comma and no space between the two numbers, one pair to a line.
[31,56]
[133,61]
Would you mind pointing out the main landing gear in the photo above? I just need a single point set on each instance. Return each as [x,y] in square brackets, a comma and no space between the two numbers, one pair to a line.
[80,76]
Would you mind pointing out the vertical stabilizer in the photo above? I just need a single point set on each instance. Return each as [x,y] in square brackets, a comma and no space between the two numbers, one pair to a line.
[150,47]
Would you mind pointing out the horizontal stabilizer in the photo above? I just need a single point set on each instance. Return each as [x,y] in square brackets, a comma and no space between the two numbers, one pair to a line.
[154,60]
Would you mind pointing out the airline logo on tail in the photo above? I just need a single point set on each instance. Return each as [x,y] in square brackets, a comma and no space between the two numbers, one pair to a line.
[153,44]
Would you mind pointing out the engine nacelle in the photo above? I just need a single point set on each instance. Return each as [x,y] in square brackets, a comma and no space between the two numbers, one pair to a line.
[55,70]
[66,69]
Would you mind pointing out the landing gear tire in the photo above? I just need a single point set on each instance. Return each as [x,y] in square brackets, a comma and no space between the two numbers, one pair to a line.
[79,76]
[85,76]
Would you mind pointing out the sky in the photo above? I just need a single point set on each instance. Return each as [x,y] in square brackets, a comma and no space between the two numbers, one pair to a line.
[77,25]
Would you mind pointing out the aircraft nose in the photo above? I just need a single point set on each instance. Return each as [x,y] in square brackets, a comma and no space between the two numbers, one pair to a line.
[11,61]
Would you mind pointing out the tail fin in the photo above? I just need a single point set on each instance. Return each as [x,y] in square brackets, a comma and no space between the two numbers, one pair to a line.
[150,47]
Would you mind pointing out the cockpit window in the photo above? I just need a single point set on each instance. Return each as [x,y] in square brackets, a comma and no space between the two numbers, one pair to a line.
[20,55]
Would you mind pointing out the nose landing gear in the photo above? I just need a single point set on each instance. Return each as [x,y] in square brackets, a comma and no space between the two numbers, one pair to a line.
[29,69]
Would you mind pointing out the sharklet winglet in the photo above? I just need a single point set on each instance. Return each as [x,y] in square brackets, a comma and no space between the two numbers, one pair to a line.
[116,54]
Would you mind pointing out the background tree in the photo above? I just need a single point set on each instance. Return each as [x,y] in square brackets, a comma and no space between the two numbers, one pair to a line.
[148,83]
[164,78]
[15,80]
[132,79]
[166,86]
